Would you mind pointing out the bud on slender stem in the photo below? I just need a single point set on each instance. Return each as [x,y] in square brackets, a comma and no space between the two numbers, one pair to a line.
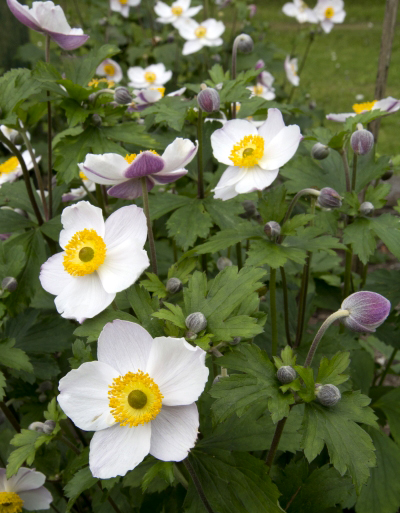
[329,198]
[208,100]
[362,141]
[320,151]
[122,96]
[367,208]
[367,311]
[272,229]
[196,322]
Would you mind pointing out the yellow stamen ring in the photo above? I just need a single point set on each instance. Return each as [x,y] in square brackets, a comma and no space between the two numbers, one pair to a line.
[10,502]
[123,2]
[363,107]
[176,11]
[150,77]
[329,12]
[248,152]
[258,90]
[109,70]
[200,32]
[134,399]
[84,253]
[9,166]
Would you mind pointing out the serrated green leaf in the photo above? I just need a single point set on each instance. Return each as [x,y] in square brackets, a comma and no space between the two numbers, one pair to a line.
[330,371]
[11,222]
[161,469]
[161,204]
[14,358]
[225,214]
[82,480]
[307,376]
[174,314]
[82,354]
[16,86]
[188,223]
[28,442]
[81,69]
[144,306]
[290,227]
[377,195]
[131,133]
[361,237]
[3,384]
[182,270]
[287,358]
[170,111]
[154,285]
[266,252]
[272,206]
[387,228]
[12,260]
[350,447]
[390,405]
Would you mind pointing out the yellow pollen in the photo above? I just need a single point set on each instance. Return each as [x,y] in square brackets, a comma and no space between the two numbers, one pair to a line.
[161,90]
[150,77]
[9,166]
[10,502]
[130,158]
[363,107]
[303,6]
[248,152]
[84,253]
[123,2]
[176,11]
[200,32]
[134,399]
[109,70]
[82,176]
[329,12]
[96,81]
[258,90]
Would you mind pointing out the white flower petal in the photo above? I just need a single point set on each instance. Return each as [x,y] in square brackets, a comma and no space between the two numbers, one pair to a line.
[193,11]
[162,9]
[3,480]
[106,169]
[224,139]
[116,450]
[178,154]
[53,277]
[126,222]
[214,28]
[37,499]
[83,298]
[84,395]
[281,148]
[254,179]
[174,432]
[192,46]
[340,118]
[51,17]
[187,28]
[327,26]
[79,217]
[230,176]
[25,479]
[125,346]
[272,126]
[225,193]
[178,369]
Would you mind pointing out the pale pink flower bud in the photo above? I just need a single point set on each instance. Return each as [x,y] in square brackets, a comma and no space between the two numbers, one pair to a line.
[368,310]
[208,100]
[362,142]
[329,198]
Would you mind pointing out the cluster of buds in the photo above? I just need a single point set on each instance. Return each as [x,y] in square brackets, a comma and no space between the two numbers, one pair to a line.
[46,427]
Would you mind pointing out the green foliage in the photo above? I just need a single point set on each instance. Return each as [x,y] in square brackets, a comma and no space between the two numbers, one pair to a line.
[390,405]
[155,285]
[81,70]
[28,442]
[92,328]
[188,223]
[361,237]
[330,371]
[15,86]
[82,480]
[14,358]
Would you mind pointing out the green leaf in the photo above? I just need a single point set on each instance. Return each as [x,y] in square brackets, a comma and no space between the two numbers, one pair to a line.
[272,206]
[163,469]
[12,260]
[28,442]
[15,195]
[161,204]
[188,223]
[330,371]
[378,195]
[390,405]
[154,285]
[92,328]
[11,222]
[361,237]
[131,133]
[385,282]
[82,480]
[234,483]
[291,225]
[170,111]
[382,492]
[54,411]
[82,354]
[13,357]
[16,86]
[144,306]
[224,213]
[81,70]
[307,376]
[52,228]
[387,228]
[287,358]
[172,313]
[266,252]
[257,384]
[182,270]
[349,446]
[3,384]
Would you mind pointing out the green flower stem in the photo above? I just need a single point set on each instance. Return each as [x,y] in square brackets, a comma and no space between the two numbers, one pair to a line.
[100,199]
[234,60]
[286,305]
[303,192]
[325,325]
[387,368]
[25,173]
[354,175]
[239,255]
[145,194]
[10,416]
[200,179]
[347,271]
[197,485]
[27,142]
[311,37]
[343,154]
[49,139]
[275,442]
[272,303]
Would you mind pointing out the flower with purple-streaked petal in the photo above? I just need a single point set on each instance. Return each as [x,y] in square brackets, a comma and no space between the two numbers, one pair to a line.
[23,491]
[368,310]
[146,97]
[98,259]
[111,70]
[388,105]
[138,398]
[79,192]
[49,19]
[123,173]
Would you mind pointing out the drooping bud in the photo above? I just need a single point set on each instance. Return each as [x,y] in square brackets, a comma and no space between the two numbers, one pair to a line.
[174,285]
[244,43]
[96,119]
[272,229]
[223,262]
[320,151]
[196,322]
[367,208]
[208,100]
[286,374]
[367,311]
[122,96]
[9,283]
[329,198]
[48,427]
[327,395]
[36,426]
[362,141]
[235,341]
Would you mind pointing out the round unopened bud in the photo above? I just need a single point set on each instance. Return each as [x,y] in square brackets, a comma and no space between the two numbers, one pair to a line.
[208,100]
[286,374]
[320,151]
[245,43]
[367,208]
[329,198]
[44,386]
[235,341]
[96,120]
[259,64]
[122,96]
[196,322]
[327,395]
[223,262]
[36,426]
[9,283]
[362,141]
[42,398]
[250,209]
[272,229]
[174,285]
[48,427]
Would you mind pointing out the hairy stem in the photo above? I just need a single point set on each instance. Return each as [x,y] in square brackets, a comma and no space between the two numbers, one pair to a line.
[343,154]
[49,139]
[387,368]
[153,256]
[197,485]
[272,303]
[275,442]
[285,305]
[239,255]
[347,271]
[200,179]
[354,175]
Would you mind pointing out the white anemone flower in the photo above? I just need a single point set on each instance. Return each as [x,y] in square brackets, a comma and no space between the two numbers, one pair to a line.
[111,70]
[330,12]
[268,93]
[178,11]
[11,135]
[79,192]
[146,97]
[49,19]
[154,76]
[98,259]
[253,155]
[139,398]
[300,10]
[291,68]
[123,6]
[23,491]
[124,173]
[208,33]
[388,105]
[11,169]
